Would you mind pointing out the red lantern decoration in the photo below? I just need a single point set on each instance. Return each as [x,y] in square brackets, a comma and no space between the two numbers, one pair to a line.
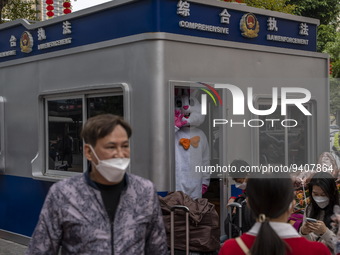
[67,11]
[50,14]
[67,6]
[49,8]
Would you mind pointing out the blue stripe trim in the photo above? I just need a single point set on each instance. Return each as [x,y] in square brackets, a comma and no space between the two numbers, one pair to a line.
[21,200]
[163,193]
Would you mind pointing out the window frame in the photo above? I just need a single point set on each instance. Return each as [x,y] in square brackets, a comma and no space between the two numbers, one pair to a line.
[39,164]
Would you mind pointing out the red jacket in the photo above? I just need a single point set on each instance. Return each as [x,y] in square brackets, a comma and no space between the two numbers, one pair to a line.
[299,245]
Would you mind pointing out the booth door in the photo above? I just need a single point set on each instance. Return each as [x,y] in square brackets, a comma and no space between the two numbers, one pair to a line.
[198,148]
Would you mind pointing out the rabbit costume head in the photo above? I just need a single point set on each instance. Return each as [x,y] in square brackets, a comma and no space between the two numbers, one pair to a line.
[188,105]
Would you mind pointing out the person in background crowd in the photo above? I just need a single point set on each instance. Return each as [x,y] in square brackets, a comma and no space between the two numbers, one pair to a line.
[336,142]
[105,210]
[67,149]
[324,196]
[239,176]
[248,220]
[328,162]
[336,228]
[271,199]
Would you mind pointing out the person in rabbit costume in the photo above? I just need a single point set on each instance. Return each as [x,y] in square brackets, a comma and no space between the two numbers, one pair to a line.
[191,145]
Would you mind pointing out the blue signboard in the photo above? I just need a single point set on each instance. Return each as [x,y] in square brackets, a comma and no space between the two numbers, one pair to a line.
[228,24]
[211,19]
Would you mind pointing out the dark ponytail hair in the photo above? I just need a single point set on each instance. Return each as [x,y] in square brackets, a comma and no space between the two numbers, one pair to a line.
[270,195]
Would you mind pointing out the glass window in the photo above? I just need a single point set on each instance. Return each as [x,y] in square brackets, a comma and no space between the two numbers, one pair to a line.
[284,142]
[272,138]
[64,145]
[65,117]
[105,104]
[297,138]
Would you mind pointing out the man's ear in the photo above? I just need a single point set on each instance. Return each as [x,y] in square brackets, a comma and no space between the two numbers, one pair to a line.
[88,152]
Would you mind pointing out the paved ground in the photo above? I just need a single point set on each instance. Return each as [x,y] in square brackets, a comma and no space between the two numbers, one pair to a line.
[10,248]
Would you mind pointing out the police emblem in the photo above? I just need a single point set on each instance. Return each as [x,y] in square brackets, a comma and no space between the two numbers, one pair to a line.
[249,25]
[26,42]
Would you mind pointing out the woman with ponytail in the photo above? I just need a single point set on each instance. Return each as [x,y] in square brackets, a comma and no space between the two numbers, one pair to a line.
[271,199]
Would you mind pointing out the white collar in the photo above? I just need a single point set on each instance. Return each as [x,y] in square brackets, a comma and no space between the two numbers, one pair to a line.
[284,230]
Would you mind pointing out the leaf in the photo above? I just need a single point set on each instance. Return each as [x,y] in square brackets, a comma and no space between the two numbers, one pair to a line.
[17,9]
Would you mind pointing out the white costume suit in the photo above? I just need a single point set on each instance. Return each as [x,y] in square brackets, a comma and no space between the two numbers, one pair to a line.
[187,180]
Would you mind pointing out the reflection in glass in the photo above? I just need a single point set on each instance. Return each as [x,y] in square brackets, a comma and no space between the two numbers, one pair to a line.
[65,119]
[107,104]
[273,137]
[64,124]
[297,149]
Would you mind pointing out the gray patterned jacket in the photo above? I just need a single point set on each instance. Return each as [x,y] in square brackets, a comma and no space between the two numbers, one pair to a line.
[74,217]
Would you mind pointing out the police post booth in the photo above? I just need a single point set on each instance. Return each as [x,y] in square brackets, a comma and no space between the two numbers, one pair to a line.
[128,57]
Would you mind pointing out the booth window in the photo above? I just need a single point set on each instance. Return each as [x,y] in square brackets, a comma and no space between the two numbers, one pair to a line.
[65,117]
[280,144]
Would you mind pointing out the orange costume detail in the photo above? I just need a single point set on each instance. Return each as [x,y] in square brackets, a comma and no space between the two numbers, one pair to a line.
[185,142]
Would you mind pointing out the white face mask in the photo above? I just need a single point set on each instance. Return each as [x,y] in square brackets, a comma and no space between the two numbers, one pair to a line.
[322,202]
[112,169]
[241,185]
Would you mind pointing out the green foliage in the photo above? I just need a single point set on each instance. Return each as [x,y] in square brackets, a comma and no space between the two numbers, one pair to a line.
[336,70]
[326,11]
[274,5]
[334,95]
[17,9]
[326,34]
[333,49]
[2,5]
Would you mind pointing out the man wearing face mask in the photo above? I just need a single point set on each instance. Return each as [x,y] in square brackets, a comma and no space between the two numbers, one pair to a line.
[105,210]
[324,196]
